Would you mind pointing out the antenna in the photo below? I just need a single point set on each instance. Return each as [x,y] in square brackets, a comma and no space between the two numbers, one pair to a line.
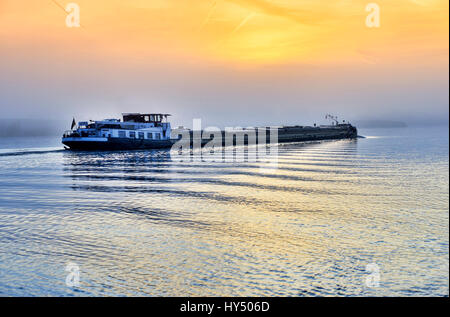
[332,118]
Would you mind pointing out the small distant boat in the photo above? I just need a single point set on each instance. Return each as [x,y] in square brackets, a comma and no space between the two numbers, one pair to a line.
[153,131]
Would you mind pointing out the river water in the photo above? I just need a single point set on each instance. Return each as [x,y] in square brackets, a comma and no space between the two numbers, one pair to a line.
[366,217]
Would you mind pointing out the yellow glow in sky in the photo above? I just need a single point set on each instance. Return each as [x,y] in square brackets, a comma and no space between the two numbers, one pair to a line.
[235,31]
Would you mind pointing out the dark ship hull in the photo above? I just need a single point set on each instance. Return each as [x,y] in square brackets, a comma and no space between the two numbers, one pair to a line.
[116,144]
[300,134]
[285,134]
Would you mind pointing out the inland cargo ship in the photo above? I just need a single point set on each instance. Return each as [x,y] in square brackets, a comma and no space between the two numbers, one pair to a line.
[136,131]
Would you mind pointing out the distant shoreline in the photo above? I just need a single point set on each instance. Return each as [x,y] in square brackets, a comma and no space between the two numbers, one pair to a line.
[55,128]
[31,127]
[379,124]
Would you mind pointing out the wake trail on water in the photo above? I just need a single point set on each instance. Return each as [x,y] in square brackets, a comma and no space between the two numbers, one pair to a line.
[20,152]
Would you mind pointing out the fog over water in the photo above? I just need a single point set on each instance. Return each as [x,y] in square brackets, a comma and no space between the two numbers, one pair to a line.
[221,97]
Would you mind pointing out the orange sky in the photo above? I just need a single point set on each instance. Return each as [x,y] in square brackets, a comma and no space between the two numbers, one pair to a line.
[258,39]
[236,31]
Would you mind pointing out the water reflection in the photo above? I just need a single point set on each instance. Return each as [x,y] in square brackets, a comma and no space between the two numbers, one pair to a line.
[139,223]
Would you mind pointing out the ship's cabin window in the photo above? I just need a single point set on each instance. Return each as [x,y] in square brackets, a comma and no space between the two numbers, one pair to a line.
[122,134]
[133,135]
[141,135]
[158,136]
[149,135]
